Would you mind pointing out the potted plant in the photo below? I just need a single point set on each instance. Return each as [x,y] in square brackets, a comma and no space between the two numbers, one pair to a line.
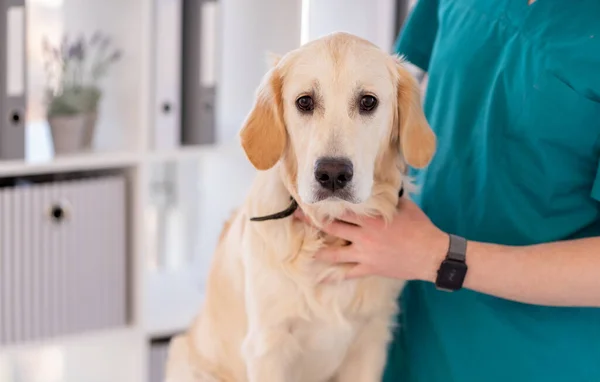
[74,70]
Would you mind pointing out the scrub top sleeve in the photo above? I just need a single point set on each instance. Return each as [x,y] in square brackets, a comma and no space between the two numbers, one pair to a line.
[417,37]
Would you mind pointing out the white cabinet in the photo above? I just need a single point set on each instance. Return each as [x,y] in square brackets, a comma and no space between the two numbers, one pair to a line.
[63,258]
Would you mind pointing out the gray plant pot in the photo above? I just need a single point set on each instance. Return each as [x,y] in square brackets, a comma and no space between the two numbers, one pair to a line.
[90,128]
[72,133]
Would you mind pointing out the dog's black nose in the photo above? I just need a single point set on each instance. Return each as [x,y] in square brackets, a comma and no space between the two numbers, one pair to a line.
[333,173]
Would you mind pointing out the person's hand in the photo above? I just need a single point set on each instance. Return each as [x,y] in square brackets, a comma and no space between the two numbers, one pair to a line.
[410,247]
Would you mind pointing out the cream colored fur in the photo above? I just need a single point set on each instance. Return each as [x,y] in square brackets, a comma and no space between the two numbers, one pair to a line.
[269,316]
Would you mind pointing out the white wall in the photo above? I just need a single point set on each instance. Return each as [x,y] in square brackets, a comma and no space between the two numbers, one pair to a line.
[370,19]
[249,30]
[252,28]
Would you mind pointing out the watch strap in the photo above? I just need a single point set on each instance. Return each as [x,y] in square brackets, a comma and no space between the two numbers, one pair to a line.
[457,249]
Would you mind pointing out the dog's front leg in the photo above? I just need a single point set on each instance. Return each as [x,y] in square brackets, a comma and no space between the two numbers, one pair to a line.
[273,304]
[366,358]
[270,349]
[270,354]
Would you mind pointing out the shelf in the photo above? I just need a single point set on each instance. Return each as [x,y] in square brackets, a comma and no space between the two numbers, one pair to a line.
[173,299]
[112,159]
[174,284]
[91,161]
[110,355]
[167,323]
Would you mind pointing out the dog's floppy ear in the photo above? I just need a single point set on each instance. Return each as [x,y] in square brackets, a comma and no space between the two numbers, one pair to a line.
[263,135]
[417,139]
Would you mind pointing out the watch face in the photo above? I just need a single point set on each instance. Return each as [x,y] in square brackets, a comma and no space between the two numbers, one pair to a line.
[451,275]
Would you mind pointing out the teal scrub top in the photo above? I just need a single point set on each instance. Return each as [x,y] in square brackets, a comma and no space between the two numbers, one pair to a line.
[514,98]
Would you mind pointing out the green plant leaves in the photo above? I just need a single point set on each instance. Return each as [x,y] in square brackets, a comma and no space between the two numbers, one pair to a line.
[74,100]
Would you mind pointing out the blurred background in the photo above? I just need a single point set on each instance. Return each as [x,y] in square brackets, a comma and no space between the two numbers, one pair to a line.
[119,162]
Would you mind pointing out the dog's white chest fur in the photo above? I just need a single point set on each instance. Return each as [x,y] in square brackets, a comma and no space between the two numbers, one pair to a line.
[324,349]
[314,328]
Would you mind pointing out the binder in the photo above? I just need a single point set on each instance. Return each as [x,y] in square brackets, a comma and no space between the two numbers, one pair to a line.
[12,79]
[167,74]
[403,7]
[200,21]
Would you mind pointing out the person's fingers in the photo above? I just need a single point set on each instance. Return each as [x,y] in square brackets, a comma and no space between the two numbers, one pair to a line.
[337,255]
[357,271]
[406,203]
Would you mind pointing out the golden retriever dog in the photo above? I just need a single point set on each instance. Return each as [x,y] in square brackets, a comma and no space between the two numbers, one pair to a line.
[334,127]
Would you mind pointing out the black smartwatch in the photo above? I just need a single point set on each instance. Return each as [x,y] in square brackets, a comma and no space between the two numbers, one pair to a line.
[452,271]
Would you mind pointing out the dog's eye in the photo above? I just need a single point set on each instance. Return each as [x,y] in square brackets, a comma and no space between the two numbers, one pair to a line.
[368,103]
[305,104]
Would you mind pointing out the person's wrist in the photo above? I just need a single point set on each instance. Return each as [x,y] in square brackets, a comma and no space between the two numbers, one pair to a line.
[436,253]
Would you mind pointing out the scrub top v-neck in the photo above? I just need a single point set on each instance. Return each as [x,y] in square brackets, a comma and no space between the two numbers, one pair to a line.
[514,97]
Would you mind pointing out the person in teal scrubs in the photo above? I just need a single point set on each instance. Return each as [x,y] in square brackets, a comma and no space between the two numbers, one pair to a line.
[513,94]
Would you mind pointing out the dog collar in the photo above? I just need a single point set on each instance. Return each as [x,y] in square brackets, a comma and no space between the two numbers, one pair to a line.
[279,215]
[292,208]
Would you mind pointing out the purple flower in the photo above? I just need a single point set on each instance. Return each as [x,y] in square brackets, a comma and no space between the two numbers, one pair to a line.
[77,50]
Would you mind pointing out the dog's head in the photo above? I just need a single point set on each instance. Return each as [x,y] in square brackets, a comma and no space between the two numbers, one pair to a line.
[332,111]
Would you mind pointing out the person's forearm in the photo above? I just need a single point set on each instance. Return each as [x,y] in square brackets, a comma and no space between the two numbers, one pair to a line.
[557,274]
